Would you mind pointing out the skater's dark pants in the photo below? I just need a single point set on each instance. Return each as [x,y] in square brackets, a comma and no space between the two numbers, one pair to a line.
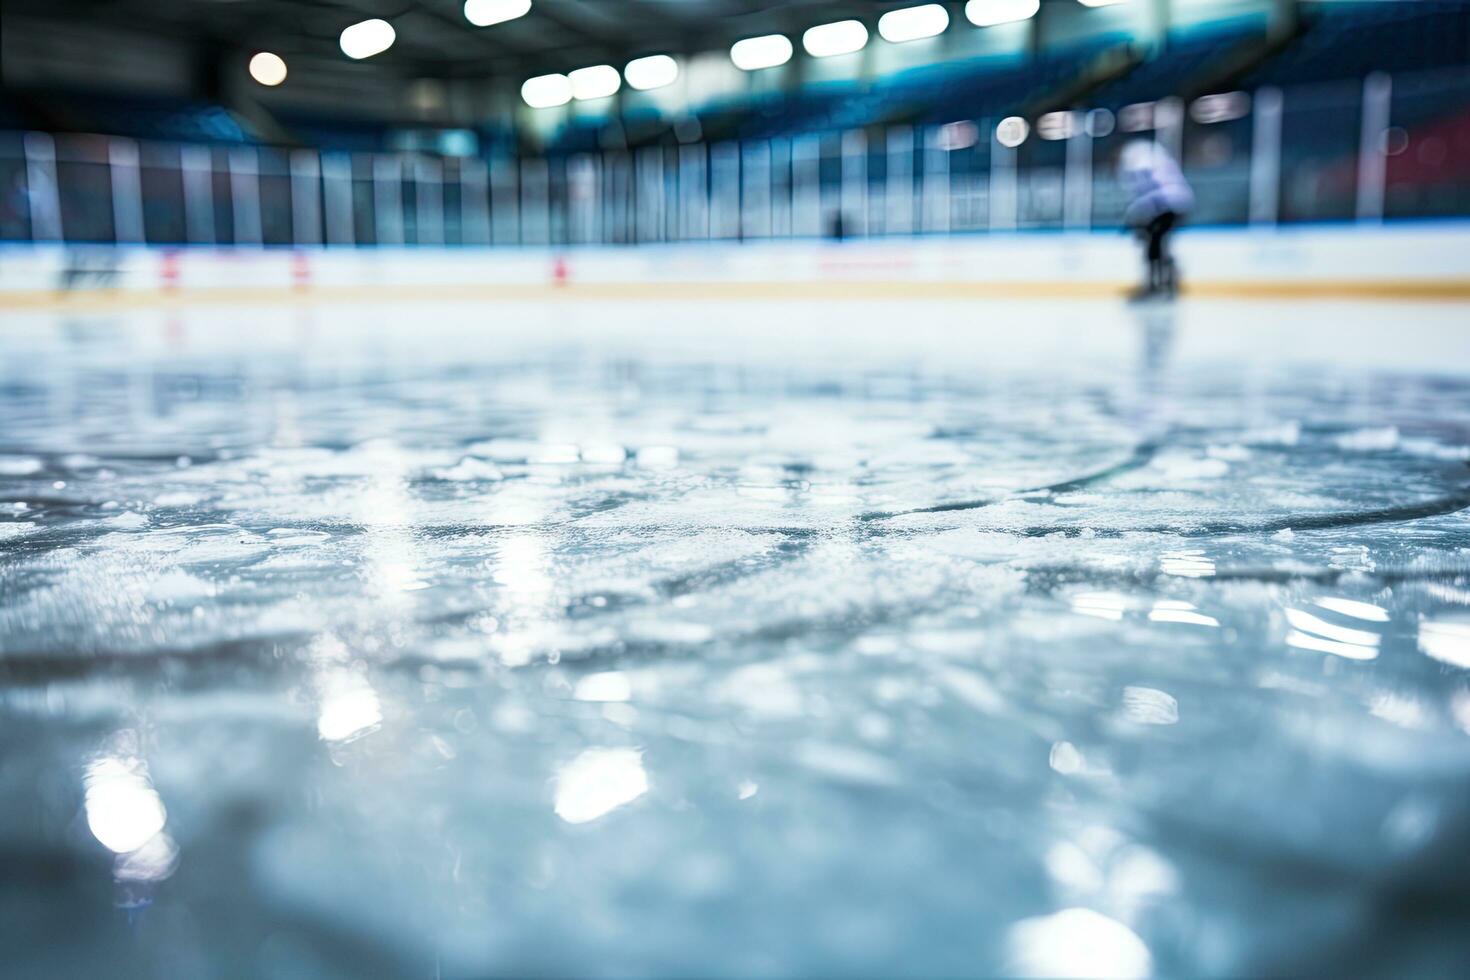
[1156,231]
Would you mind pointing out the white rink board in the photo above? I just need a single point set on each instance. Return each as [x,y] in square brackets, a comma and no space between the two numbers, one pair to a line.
[1401,255]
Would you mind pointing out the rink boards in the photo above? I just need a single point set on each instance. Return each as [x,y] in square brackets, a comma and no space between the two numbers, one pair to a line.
[1412,261]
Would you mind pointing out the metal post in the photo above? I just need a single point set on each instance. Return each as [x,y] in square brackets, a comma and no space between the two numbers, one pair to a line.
[724,168]
[806,185]
[1265,178]
[755,215]
[693,191]
[1372,160]
[474,202]
[852,200]
[1077,203]
[244,164]
[428,176]
[670,169]
[535,203]
[196,165]
[505,219]
[935,183]
[780,188]
[388,199]
[580,180]
[614,197]
[127,192]
[42,193]
[306,208]
[337,198]
[1169,125]
[1003,200]
[899,219]
[648,171]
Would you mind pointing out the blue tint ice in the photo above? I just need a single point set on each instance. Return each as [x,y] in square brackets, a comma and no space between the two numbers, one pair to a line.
[735,640]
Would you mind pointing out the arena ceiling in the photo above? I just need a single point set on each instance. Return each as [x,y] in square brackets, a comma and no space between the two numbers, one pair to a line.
[435,39]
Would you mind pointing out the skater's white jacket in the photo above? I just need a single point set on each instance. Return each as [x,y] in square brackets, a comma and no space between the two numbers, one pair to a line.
[1153,180]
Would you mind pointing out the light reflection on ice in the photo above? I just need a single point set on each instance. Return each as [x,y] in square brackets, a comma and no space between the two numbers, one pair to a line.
[529,627]
[1446,640]
[658,457]
[1076,942]
[1187,564]
[612,685]
[1172,611]
[1355,609]
[124,812]
[1065,758]
[383,506]
[1103,605]
[349,706]
[1148,706]
[1306,622]
[155,860]
[1099,865]
[599,781]
[521,566]
[1406,712]
[1349,651]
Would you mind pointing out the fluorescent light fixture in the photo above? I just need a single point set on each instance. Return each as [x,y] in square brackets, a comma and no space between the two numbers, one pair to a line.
[1137,117]
[597,82]
[913,23]
[1057,125]
[655,71]
[1100,3]
[1011,131]
[367,38]
[1220,108]
[546,91]
[958,135]
[988,13]
[766,51]
[483,13]
[267,68]
[839,37]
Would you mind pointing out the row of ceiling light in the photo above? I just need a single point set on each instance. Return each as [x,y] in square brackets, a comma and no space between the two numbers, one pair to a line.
[371,37]
[771,50]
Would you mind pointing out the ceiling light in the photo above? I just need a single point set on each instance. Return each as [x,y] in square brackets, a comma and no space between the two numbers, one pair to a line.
[841,37]
[367,38]
[597,82]
[1100,3]
[767,51]
[988,13]
[267,68]
[655,71]
[546,91]
[1011,131]
[913,23]
[483,13]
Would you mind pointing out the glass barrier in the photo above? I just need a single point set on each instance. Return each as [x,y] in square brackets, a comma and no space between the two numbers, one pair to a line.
[1427,170]
[1292,156]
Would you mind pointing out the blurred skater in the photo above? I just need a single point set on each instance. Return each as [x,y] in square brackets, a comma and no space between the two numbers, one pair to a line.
[1160,197]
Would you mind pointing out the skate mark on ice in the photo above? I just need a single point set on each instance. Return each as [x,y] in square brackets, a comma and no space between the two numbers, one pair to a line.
[1045,578]
[1141,456]
[1436,507]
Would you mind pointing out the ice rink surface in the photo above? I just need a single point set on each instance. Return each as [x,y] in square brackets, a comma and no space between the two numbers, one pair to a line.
[742,639]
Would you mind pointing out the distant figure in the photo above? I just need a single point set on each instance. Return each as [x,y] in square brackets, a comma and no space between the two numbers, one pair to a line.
[837,226]
[1160,198]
